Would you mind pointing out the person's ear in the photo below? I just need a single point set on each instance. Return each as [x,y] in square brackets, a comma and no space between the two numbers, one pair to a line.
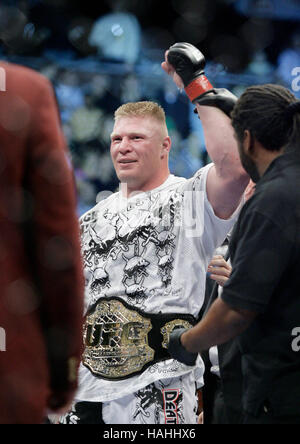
[166,146]
[248,143]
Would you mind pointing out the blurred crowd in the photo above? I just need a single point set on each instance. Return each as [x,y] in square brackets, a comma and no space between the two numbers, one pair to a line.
[114,61]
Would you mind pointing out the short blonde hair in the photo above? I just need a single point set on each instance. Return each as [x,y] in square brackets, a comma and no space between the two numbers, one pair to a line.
[144,109]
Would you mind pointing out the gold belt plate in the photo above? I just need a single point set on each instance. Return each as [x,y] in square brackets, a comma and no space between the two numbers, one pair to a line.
[167,329]
[116,340]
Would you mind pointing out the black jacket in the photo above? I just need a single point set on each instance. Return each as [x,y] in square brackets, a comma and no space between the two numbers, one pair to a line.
[230,382]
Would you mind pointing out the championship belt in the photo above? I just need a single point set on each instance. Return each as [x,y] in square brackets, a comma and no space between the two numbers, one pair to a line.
[122,341]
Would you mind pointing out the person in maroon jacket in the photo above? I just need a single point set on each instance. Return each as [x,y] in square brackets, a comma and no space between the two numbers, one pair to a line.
[41,279]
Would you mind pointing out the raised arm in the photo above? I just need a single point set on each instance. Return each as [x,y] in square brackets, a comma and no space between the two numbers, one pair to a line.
[227,179]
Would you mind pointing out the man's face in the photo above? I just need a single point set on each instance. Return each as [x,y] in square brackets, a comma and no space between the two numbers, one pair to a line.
[139,147]
[247,162]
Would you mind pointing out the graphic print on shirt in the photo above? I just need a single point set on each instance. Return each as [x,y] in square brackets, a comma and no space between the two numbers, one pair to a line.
[100,280]
[134,275]
[131,241]
[158,404]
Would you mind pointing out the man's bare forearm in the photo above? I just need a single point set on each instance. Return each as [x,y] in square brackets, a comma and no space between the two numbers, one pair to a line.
[220,142]
[227,179]
[220,324]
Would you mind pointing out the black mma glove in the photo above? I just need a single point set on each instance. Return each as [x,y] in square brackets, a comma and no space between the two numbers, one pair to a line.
[189,64]
[220,98]
[177,350]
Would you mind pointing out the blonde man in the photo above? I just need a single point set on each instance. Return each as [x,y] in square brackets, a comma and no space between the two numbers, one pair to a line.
[146,250]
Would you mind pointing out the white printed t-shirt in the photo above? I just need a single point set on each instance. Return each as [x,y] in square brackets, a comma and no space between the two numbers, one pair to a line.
[152,250]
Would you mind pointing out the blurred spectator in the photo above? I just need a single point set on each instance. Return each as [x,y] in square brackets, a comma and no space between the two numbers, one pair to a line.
[117,37]
[86,122]
[78,34]
[105,90]
[12,22]
[99,85]
[108,124]
[259,65]
[70,95]
[197,133]
[94,174]
[50,70]
[176,106]
[130,89]
[87,193]
[185,157]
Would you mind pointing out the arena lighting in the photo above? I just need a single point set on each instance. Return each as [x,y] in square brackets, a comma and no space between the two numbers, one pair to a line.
[117,30]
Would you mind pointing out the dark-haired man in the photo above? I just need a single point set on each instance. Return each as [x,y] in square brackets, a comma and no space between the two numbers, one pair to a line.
[260,301]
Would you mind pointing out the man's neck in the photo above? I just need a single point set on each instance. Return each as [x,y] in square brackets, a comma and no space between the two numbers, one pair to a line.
[128,191]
